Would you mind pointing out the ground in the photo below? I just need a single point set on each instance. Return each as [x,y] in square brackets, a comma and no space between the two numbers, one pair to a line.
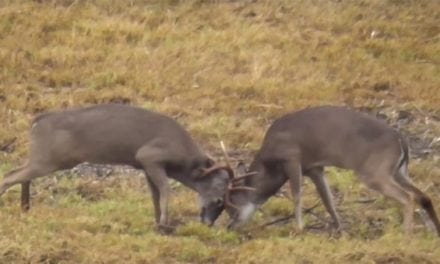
[225,70]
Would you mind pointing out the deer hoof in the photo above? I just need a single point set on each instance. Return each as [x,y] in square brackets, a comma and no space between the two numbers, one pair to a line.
[296,230]
[165,229]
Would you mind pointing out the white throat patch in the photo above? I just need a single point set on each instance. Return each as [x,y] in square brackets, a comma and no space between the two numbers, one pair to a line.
[247,211]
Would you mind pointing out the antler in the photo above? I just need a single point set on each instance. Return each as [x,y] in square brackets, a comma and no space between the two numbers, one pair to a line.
[242,188]
[241,177]
[227,167]
[231,189]
[219,167]
[228,161]
[228,203]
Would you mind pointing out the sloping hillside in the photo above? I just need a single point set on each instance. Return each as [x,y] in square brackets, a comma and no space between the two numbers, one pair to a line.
[224,69]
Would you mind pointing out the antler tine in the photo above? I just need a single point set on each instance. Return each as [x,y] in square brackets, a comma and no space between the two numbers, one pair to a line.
[242,188]
[230,204]
[241,177]
[219,167]
[228,201]
[228,161]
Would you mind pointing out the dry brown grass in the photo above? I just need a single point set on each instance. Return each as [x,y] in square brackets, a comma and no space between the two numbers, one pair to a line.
[224,69]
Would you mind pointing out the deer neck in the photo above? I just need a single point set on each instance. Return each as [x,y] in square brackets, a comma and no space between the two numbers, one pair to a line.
[266,183]
[184,176]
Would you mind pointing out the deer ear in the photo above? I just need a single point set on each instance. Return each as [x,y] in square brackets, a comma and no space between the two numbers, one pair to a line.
[241,168]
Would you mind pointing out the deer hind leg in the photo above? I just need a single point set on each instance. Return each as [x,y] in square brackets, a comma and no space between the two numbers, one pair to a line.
[422,199]
[390,188]
[25,190]
[26,196]
[292,169]
[23,175]
[318,179]
[158,178]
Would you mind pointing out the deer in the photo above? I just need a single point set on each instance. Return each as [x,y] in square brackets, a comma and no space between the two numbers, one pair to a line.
[123,135]
[303,143]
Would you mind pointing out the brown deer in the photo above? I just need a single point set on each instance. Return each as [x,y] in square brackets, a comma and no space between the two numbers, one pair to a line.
[304,142]
[120,134]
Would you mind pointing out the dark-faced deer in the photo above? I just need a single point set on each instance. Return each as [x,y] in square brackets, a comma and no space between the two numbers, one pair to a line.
[304,142]
[119,134]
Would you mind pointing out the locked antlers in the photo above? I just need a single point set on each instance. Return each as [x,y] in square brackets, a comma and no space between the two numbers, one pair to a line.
[234,181]
[214,168]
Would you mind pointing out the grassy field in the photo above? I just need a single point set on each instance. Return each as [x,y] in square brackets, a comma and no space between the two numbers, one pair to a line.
[224,69]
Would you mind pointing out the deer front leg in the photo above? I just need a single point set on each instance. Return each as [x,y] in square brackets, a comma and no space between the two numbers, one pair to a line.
[292,170]
[156,197]
[151,159]
[160,181]
[317,177]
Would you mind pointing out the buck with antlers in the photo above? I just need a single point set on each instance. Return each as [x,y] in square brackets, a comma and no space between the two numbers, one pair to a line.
[304,142]
[119,134]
